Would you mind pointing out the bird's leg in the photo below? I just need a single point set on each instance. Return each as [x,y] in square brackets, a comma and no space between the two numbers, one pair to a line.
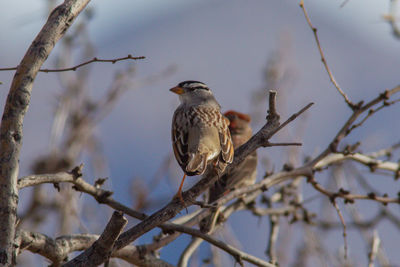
[179,193]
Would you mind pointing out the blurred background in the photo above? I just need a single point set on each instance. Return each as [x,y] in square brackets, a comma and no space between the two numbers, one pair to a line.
[116,118]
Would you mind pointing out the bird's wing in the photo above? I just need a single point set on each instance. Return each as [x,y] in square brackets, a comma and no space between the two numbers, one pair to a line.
[227,149]
[180,137]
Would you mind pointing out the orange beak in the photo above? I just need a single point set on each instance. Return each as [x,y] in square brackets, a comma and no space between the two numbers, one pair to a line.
[177,90]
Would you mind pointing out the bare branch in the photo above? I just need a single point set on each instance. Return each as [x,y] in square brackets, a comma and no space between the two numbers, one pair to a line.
[101,249]
[101,195]
[335,205]
[350,198]
[15,108]
[344,131]
[75,177]
[57,250]
[374,249]
[385,151]
[74,68]
[368,161]
[281,144]
[366,224]
[273,237]
[314,30]
[189,250]
[236,253]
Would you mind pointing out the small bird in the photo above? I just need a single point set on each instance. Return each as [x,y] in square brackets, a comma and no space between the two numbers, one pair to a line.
[200,133]
[243,175]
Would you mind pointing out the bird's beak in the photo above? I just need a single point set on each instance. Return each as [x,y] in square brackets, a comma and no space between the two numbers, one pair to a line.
[177,90]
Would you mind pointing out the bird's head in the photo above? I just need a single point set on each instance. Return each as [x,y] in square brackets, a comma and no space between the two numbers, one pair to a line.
[239,126]
[192,91]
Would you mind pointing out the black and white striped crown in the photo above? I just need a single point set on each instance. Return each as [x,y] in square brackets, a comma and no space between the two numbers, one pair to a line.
[193,85]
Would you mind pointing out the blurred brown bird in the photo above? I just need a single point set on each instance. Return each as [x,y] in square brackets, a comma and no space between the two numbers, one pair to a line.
[243,175]
[200,134]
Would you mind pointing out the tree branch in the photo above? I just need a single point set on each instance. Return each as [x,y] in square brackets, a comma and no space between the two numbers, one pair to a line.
[74,68]
[100,250]
[57,250]
[368,161]
[15,108]
[314,30]
[75,177]
[236,253]
[335,205]
[374,249]
[350,198]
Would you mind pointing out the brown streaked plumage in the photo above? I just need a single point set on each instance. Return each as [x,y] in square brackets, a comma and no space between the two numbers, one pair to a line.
[243,175]
[200,133]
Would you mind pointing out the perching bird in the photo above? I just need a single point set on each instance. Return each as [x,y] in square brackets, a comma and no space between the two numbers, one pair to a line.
[200,135]
[243,175]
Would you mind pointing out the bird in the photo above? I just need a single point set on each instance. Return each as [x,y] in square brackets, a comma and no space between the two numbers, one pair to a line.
[243,175]
[200,134]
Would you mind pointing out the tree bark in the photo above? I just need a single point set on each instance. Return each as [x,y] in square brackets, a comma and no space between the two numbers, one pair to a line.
[15,108]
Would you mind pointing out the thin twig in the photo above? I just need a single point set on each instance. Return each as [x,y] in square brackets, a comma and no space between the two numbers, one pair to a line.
[294,116]
[282,144]
[384,152]
[372,112]
[74,68]
[314,30]
[374,249]
[188,251]
[366,224]
[344,227]
[350,198]
[273,237]
[372,163]
[236,253]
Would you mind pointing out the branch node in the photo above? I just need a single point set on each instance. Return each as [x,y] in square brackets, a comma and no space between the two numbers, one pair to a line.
[102,197]
[385,95]
[344,192]
[100,181]
[77,171]
[272,114]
